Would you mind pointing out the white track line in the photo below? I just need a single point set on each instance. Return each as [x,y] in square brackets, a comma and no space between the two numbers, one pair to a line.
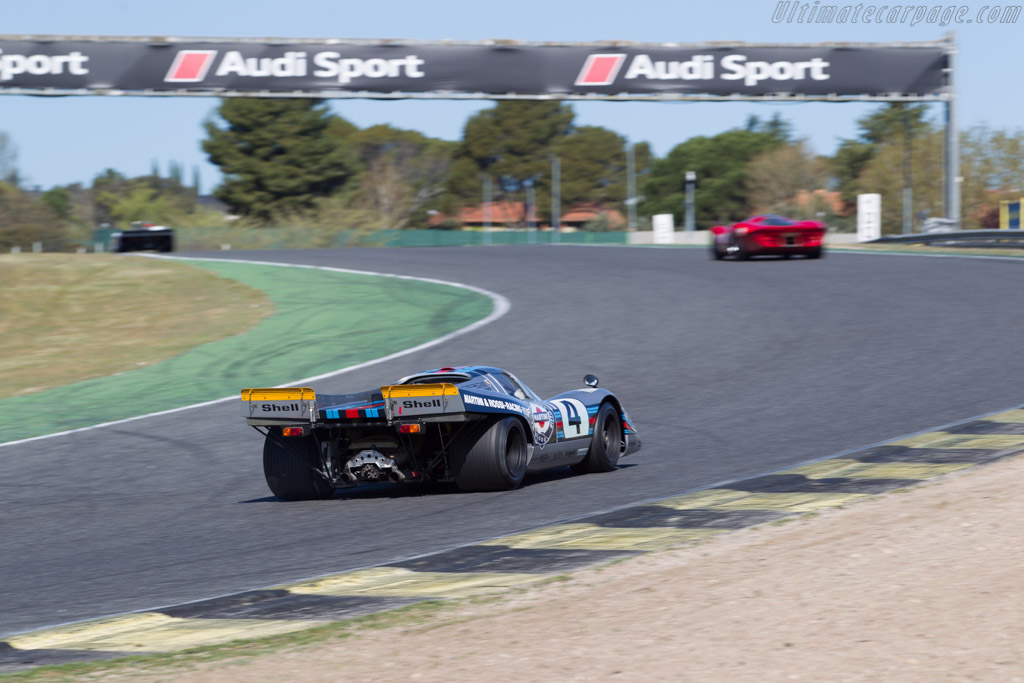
[501,307]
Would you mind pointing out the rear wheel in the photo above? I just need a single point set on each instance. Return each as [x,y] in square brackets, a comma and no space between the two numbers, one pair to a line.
[815,253]
[290,467]
[741,253]
[715,253]
[606,442]
[496,461]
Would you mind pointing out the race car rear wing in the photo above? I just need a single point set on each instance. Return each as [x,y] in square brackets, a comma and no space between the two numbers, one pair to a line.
[418,400]
[401,403]
[274,406]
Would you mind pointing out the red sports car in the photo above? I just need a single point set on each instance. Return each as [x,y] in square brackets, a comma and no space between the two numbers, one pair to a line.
[768,235]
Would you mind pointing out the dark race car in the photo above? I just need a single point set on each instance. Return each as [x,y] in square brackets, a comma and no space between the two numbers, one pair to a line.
[768,236]
[143,237]
[477,426]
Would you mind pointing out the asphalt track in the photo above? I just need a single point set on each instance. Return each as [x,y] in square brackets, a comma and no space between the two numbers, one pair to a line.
[729,370]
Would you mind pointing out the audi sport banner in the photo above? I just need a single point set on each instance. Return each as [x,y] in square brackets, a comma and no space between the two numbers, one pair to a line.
[339,68]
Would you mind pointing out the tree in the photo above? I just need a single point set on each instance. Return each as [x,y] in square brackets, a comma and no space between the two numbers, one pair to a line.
[992,164]
[8,160]
[776,126]
[60,201]
[720,163]
[276,155]
[883,175]
[894,123]
[847,165]
[403,171]
[145,203]
[118,200]
[593,167]
[775,177]
[107,190]
[24,220]
[512,143]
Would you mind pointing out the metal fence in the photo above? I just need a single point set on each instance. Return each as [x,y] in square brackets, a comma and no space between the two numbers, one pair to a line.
[214,238]
[465,238]
[990,239]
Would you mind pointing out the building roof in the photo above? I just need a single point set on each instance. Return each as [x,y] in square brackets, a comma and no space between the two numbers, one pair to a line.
[582,213]
[504,213]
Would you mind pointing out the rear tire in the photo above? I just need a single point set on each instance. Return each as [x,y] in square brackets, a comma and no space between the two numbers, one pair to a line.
[816,253]
[715,253]
[605,443]
[496,461]
[288,465]
[741,253]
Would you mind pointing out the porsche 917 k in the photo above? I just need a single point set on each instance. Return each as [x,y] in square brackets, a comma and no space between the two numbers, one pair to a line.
[477,426]
[768,235]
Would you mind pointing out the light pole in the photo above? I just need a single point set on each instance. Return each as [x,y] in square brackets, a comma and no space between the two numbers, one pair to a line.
[531,203]
[908,183]
[487,209]
[556,198]
[691,181]
[631,200]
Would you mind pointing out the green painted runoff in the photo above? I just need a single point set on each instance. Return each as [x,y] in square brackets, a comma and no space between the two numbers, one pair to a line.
[323,321]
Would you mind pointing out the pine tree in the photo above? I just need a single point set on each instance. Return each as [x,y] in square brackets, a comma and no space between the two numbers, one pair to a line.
[276,155]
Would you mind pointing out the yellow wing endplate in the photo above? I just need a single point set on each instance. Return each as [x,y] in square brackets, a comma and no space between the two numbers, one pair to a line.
[285,394]
[420,400]
[418,390]
[288,403]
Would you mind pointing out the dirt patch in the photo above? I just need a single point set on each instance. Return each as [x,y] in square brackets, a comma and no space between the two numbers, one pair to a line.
[923,585]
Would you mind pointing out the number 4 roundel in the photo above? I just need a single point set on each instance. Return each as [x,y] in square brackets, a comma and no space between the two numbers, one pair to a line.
[575,421]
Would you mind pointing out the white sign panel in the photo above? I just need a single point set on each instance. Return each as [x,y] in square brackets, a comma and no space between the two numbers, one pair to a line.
[869,217]
[664,228]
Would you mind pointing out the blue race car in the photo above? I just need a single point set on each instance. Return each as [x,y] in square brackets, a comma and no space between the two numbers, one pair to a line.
[477,426]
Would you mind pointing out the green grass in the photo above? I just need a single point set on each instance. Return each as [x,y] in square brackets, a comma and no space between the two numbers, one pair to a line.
[322,321]
[66,318]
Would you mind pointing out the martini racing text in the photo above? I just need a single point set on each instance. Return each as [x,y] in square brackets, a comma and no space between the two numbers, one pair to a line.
[500,404]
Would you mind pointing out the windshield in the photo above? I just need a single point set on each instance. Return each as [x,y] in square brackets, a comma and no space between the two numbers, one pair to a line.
[520,390]
[779,221]
[436,378]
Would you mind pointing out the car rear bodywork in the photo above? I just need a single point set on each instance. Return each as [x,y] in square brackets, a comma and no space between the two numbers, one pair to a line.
[768,235]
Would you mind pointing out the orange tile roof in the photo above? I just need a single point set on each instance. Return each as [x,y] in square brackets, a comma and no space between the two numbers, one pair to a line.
[504,213]
[501,212]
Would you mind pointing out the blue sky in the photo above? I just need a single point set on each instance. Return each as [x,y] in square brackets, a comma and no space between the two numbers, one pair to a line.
[72,139]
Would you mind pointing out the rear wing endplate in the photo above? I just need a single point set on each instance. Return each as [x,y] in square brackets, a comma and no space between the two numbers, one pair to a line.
[270,406]
[415,400]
